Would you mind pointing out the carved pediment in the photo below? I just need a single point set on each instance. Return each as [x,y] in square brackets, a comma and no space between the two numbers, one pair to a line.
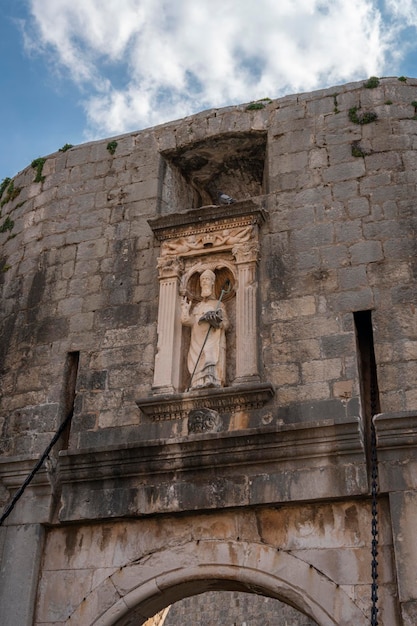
[208,229]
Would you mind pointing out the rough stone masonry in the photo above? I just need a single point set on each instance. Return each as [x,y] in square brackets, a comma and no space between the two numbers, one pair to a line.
[134,509]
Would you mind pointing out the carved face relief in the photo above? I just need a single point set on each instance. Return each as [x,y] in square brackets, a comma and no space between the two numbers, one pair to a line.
[203,420]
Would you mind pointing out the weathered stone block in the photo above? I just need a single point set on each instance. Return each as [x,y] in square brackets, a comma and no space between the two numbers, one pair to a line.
[323,370]
[366,252]
[345,171]
[360,300]
[303,393]
[343,389]
[297,350]
[345,189]
[299,217]
[308,261]
[358,207]
[352,277]
[79,156]
[332,212]
[293,162]
[81,322]
[288,113]
[288,374]
[334,256]
[404,294]
[318,157]
[119,316]
[294,308]
[52,329]
[338,345]
[383,161]
[348,232]
[315,196]
[306,238]
[88,234]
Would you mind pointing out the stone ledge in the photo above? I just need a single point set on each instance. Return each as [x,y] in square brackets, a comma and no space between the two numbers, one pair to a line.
[396,430]
[14,470]
[35,505]
[223,400]
[164,226]
[269,465]
[397,450]
[264,466]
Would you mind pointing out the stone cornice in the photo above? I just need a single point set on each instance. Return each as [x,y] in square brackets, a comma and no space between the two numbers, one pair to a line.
[225,399]
[36,503]
[397,450]
[263,466]
[396,430]
[175,224]
[14,471]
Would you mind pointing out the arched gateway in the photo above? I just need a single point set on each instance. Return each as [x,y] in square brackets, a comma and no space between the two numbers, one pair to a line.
[202,566]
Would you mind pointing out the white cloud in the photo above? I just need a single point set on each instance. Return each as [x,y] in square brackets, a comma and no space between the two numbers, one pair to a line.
[142,62]
[404,9]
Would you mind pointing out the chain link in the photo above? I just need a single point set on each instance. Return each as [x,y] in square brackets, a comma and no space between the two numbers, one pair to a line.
[374,496]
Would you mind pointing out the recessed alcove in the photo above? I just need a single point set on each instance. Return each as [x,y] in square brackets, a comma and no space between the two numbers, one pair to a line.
[233,163]
[231,259]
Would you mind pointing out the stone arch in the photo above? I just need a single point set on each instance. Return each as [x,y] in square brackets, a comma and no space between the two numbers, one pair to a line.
[222,268]
[140,589]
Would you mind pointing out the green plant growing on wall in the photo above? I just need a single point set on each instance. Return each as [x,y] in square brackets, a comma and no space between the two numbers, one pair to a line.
[66,147]
[335,109]
[388,102]
[403,79]
[4,184]
[372,82]
[255,106]
[361,118]
[5,267]
[8,224]
[258,104]
[11,193]
[357,150]
[414,104]
[37,165]
[111,147]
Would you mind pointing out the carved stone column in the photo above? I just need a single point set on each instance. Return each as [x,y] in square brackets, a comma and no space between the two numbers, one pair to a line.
[168,355]
[246,256]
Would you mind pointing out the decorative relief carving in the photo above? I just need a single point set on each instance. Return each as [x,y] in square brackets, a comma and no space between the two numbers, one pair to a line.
[203,421]
[246,252]
[170,266]
[182,233]
[226,237]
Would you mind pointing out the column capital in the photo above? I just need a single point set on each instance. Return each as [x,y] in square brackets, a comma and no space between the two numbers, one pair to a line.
[247,252]
[170,267]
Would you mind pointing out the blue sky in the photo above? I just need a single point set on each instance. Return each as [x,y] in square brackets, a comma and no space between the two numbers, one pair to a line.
[75,70]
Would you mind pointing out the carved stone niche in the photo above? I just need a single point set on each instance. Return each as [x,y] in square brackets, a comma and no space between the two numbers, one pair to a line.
[207,318]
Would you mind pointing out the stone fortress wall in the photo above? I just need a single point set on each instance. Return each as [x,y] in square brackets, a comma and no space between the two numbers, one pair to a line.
[135,511]
[231,608]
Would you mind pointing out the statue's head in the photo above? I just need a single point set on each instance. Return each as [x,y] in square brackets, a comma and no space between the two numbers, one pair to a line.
[207,280]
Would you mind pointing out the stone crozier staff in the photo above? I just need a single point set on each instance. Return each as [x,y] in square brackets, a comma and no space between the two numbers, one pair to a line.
[208,320]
